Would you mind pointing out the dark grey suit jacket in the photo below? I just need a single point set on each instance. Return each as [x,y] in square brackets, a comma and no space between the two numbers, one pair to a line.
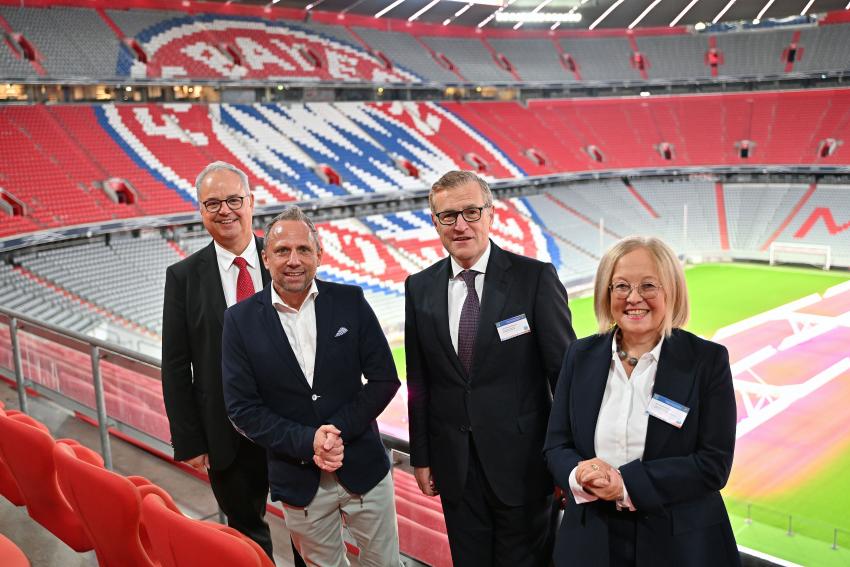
[503,404]
[192,323]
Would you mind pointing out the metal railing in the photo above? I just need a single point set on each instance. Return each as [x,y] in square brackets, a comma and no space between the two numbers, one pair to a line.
[791,523]
[74,370]
[24,357]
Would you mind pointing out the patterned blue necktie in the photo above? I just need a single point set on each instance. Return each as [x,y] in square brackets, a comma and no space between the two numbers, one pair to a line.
[468,326]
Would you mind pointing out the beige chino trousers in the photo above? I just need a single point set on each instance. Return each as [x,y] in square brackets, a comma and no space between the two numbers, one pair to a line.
[316,529]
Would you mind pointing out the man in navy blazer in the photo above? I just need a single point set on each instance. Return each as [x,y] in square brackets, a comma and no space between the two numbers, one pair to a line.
[293,358]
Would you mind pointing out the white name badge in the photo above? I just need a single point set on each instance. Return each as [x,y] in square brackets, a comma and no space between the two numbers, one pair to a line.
[513,327]
[667,410]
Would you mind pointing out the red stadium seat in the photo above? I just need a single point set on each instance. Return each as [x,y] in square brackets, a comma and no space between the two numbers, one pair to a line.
[27,448]
[179,541]
[108,504]
[8,486]
[11,555]
[424,544]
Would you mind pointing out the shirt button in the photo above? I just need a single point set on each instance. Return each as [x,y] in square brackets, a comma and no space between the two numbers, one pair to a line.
[314,397]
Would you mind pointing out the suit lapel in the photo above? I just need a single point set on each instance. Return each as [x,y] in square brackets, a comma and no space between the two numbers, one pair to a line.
[439,298]
[497,285]
[324,310]
[673,380]
[264,273]
[212,292]
[270,319]
[589,380]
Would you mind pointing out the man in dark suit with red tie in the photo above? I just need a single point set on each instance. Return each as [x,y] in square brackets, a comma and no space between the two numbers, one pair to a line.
[197,291]
[485,333]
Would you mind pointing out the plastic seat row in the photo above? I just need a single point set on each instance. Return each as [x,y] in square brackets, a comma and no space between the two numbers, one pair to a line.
[130,522]
[127,521]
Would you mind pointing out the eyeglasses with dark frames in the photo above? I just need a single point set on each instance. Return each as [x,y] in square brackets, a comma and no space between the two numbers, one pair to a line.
[234,203]
[647,290]
[469,214]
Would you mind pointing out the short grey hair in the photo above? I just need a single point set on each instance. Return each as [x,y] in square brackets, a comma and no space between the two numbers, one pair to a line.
[456,178]
[292,213]
[669,271]
[215,166]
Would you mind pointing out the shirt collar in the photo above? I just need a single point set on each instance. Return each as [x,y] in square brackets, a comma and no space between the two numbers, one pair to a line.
[283,307]
[480,266]
[225,257]
[654,353]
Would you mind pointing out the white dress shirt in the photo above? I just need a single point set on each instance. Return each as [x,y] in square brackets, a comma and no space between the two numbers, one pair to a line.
[622,421]
[229,272]
[457,290]
[299,326]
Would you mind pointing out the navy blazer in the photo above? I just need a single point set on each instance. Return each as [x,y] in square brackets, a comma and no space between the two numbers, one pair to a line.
[681,518]
[270,401]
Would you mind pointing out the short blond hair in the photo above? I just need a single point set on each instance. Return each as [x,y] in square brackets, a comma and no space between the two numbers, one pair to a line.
[456,178]
[669,271]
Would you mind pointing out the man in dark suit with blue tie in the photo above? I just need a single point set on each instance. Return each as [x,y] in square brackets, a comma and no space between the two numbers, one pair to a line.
[485,333]
[293,361]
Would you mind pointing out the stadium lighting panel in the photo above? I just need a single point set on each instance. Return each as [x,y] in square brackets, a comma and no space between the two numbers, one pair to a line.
[766,7]
[537,17]
[486,20]
[536,9]
[495,3]
[457,14]
[606,13]
[806,9]
[685,11]
[462,10]
[415,16]
[644,13]
[723,11]
[388,8]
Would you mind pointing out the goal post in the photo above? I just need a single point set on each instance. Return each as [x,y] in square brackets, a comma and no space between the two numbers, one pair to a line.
[819,255]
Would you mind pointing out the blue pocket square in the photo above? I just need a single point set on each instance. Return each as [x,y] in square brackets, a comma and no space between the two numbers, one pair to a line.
[340,332]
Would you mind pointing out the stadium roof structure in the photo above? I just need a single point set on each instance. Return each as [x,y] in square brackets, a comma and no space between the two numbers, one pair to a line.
[594,14]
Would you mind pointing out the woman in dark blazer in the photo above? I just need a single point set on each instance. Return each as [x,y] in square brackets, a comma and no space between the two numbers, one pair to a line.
[642,429]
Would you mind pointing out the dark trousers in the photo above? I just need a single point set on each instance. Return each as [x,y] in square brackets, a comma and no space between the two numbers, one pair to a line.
[484,532]
[241,491]
[622,535]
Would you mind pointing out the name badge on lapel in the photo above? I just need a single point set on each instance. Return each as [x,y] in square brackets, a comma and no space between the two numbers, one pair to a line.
[667,410]
[513,327]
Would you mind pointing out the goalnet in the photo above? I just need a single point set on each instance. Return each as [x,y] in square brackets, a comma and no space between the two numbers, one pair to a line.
[819,255]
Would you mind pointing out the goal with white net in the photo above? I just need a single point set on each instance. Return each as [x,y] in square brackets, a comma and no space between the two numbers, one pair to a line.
[819,255]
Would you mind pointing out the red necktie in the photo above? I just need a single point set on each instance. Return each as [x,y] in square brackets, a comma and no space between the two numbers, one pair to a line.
[244,283]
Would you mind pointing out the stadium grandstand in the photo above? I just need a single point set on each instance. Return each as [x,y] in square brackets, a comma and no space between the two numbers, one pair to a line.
[718,127]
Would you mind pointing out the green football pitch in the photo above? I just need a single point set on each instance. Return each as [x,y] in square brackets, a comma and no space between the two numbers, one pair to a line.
[722,294]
